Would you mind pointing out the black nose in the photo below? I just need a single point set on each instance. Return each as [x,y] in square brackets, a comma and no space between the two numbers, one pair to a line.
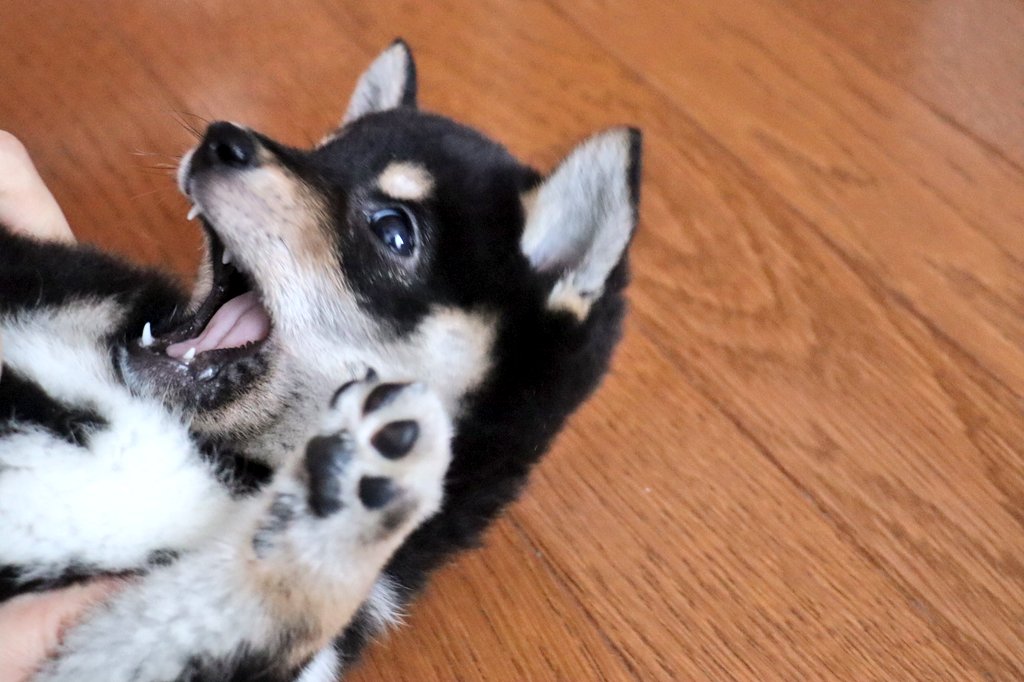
[227,144]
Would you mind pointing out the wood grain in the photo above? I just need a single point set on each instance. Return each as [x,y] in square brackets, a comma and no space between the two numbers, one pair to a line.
[969,73]
[808,461]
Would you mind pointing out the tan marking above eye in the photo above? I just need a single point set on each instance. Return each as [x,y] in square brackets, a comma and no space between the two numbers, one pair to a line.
[406,181]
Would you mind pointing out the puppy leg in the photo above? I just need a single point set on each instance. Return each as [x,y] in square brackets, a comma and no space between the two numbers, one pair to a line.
[116,503]
[295,567]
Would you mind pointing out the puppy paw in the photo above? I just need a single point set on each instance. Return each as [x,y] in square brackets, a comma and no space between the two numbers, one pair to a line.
[296,561]
[381,453]
[375,469]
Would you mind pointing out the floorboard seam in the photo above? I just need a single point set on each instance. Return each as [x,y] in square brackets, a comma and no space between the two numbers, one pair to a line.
[965,645]
[563,583]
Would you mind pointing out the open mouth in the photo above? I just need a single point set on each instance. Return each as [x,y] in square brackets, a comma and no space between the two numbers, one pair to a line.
[232,323]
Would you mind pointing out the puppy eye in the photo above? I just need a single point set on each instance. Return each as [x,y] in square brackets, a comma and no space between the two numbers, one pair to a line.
[393,227]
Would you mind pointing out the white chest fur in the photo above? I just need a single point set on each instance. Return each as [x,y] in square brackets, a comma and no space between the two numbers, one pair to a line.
[57,498]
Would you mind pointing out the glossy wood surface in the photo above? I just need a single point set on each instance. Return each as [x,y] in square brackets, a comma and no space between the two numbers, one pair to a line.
[808,461]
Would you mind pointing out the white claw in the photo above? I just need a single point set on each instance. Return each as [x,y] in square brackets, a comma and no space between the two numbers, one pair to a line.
[193,212]
[191,353]
[226,257]
[147,336]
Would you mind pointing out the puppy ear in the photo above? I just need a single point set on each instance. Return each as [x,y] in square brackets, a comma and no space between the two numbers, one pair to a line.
[390,82]
[579,220]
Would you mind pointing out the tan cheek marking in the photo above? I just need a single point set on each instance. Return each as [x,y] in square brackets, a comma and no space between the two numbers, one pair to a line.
[299,218]
[452,351]
[315,238]
[406,181]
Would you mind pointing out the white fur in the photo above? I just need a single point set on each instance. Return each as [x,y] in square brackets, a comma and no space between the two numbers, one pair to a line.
[450,351]
[270,221]
[148,631]
[383,604]
[325,667]
[307,576]
[140,484]
[183,166]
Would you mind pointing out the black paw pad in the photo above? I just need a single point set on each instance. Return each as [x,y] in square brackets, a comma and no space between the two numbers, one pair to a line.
[396,439]
[377,491]
[381,396]
[326,458]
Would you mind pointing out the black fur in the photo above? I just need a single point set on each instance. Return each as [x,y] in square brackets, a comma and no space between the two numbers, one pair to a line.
[35,275]
[409,91]
[545,368]
[240,474]
[248,664]
[469,227]
[13,583]
[23,404]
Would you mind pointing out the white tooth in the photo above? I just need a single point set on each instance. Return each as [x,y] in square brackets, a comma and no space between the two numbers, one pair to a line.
[147,336]
[226,257]
[193,212]
[191,353]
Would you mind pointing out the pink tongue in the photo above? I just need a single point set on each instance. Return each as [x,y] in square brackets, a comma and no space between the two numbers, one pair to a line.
[238,322]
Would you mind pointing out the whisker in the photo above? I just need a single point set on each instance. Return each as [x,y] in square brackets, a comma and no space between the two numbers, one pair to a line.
[180,118]
[194,115]
[138,152]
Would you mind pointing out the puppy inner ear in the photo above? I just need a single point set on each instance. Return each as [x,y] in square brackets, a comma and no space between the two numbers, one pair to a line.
[579,220]
[390,82]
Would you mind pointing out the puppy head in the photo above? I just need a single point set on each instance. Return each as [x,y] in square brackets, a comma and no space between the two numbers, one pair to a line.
[403,241]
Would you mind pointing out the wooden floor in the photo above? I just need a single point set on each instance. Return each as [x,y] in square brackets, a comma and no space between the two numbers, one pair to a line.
[808,462]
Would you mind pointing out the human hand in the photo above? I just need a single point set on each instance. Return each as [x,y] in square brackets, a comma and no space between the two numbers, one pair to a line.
[31,625]
[26,205]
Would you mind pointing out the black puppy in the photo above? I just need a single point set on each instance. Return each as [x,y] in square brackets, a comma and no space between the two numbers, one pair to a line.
[277,520]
